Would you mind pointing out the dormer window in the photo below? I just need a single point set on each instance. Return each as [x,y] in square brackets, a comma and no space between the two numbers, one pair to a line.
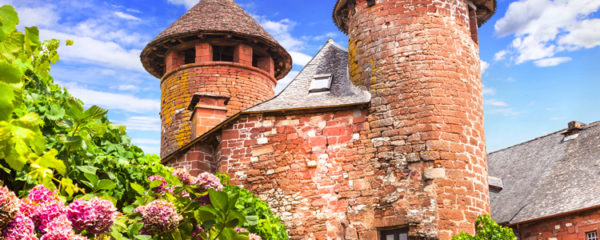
[321,83]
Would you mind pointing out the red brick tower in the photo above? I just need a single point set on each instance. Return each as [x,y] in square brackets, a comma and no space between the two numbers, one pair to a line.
[213,62]
[419,59]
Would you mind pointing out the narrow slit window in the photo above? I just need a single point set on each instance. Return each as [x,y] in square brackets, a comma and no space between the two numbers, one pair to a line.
[591,235]
[394,234]
[321,83]
[223,53]
[190,55]
[370,3]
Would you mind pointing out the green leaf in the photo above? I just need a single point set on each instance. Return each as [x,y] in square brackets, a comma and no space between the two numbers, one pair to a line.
[143,237]
[49,160]
[56,113]
[218,199]
[9,73]
[203,215]
[138,188]
[252,220]
[87,169]
[69,42]
[106,184]
[94,112]
[6,101]
[155,184]
[92,177]
[9,20]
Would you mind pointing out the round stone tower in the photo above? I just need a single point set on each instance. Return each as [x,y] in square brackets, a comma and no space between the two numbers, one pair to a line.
[420,61]
[213,62]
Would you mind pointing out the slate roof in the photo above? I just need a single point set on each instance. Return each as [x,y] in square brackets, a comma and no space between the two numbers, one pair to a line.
[546,176]
[331,59]
[485,10]
[213,17]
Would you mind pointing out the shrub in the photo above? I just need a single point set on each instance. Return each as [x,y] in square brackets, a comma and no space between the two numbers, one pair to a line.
[487,229]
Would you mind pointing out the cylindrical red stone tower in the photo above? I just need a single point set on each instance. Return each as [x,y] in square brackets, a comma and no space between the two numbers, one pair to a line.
[213,62]
[420,61]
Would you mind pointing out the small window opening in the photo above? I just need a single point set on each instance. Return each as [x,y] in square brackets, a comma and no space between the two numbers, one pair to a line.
[473,24]
[394,234]
[591,235]
[223,54]
[370,3]
[255,60]
[321,83]
[190,55]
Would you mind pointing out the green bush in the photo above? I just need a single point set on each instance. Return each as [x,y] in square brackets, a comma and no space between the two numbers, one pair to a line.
[487,229]
[261,219]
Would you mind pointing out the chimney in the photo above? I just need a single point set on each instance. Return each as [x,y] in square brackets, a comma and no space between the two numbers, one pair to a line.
[574,128]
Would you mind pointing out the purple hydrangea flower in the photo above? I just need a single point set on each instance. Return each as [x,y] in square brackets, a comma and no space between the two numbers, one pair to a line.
[159,217]
[95,216]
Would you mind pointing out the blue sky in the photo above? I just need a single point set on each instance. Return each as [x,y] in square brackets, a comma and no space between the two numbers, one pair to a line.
[540,57]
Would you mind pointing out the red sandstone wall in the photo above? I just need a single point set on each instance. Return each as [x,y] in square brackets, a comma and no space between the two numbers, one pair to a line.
[307,167]
[422,67]
[569,227]
[245,86]
[197,159]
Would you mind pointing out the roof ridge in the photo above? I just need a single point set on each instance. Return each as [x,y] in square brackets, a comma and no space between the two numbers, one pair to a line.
[589,125]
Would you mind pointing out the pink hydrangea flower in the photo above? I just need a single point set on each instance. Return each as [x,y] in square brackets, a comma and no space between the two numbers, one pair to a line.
[162,188]
[159,217]
[46,213]
[253,236]
[207,181]
[184,176]
[21,228]
[40,194]
[28,207]
[58,229]
[9,206]
[95,216]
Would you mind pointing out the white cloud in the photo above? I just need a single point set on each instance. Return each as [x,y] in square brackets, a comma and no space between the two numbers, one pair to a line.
[550,62]
[282,83]
[150,149]
[38,16]
[128,87]
[323,36]
[299,58]
[142,123]
[495,103]
[187,3]
[488,91]
[145,141]
[125,102]
[89,50]
[543,28]
[484,66]
[500,55]
[126,16]
[502,111]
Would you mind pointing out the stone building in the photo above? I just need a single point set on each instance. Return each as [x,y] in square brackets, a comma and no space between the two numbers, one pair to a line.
[548,188]
[384,139]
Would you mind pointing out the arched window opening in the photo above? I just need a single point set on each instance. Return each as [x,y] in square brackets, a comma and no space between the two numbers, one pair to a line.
[223,53]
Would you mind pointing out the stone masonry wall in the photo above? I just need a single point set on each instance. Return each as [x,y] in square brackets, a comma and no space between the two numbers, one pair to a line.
[245,86]
[306,166]
[569,227]
[197,159]
[426,131]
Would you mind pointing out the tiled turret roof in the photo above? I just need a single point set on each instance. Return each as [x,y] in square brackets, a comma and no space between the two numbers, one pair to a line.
[214,17]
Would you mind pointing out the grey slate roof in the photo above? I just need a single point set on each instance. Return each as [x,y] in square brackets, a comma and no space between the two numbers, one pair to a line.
[547,176]
[331,59]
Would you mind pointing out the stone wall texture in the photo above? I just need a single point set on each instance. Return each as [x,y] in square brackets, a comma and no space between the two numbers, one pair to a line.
[244,85]
[426,118]
[566,227]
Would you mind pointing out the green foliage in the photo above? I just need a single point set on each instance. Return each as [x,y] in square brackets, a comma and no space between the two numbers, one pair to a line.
[260,218]
[47,136]
[487,229]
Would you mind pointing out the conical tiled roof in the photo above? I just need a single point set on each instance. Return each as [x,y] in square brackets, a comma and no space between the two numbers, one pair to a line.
[214,17]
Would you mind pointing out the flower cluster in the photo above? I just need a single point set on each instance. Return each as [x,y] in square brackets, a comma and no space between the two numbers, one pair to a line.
[42,212]
[9,206]
[184,176]
[208,181]
[162,188]
[95,216]
[252,236]
[159,217]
